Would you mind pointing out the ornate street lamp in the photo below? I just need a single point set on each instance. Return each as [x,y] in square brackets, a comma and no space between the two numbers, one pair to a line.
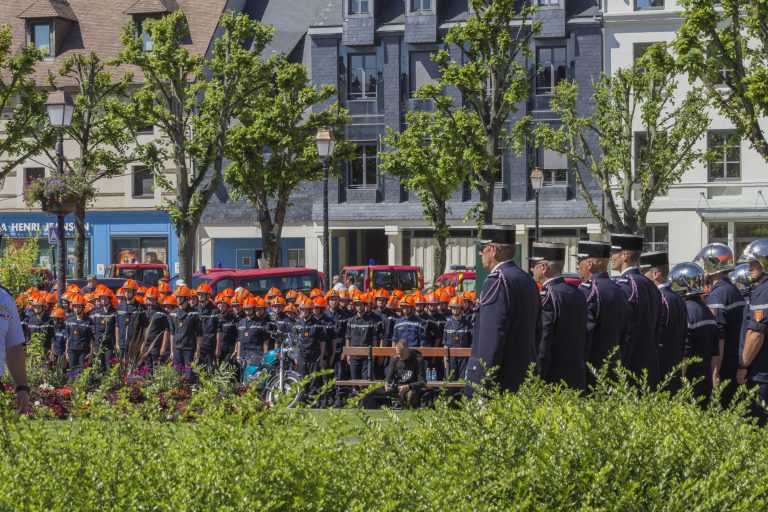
[325,146]
[537,181]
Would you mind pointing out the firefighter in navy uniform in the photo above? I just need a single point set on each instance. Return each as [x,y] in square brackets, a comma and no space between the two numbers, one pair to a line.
[309,333]
[226,339]
[104,323]
[253,332]
[753,367]
[80,336]
[209,319]
[363,330]
[410,327]
[131,317]
[563,330]
[639,350]
[282,321]
[728,305]
[457,333]
[673,316]
[339,317]
[606,306]
[687,279]
[58,319]
[186,330]
[506,315]
[37,320]
[158,329]
[328,358]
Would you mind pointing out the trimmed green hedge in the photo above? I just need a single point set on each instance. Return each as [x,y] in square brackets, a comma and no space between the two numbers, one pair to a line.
[540,449]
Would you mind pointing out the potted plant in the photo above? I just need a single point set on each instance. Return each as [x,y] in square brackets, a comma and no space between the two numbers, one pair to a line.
[57,194]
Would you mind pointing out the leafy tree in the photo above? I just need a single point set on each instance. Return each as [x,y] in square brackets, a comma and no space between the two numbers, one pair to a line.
[492,77]
[724,45]
[101,136]
[17,266]
[273,149]
[431,161]
[21,136]
[637,99]
[192,107]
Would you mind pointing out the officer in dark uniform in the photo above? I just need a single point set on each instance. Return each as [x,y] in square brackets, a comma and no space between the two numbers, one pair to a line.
[104,321]
[158,329]
[58,318]
[457,333]
[562,336]
[606,305]
[80,337]
[507,314]
[226,341]
[728,305]
[410,327]
[672,318]
[209,318]
[38,320]
[254,331]
[639,351]
[309,332]
[131,317]
[753,369]
[283,322]
[363,330]
[338,317]
[186,330]
[701,335]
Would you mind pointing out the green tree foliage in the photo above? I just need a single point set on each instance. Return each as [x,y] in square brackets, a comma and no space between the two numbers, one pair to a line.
[192,107]
[17,266]
[493,77]
[432,161]
[21,136]
[272,147]
[637,99]
[724,45]
[101,136]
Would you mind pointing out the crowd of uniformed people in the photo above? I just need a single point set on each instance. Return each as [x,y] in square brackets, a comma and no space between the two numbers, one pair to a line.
[236,327]
[706,318]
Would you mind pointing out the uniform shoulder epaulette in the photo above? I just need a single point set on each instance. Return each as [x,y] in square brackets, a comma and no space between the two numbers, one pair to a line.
[622,280]
[543,292]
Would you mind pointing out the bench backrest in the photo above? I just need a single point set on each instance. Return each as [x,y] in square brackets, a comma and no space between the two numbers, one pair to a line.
[424,351]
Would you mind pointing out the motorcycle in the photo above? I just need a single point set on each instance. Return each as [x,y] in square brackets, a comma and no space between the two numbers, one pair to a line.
[276,374]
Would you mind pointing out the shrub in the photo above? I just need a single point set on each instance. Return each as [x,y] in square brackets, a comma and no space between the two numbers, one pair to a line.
[543,448]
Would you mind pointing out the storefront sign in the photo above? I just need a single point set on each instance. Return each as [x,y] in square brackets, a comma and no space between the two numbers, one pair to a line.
[30,229]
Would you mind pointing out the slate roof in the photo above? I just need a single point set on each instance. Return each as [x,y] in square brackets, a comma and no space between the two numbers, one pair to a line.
[152,7]
[291,18]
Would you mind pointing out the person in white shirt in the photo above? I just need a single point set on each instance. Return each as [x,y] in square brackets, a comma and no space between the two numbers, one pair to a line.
[12,351]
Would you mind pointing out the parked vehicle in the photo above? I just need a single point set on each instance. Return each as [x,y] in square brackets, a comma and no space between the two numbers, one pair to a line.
[460,277]
[260,280]
[389,277]
[277,373]
[150,273]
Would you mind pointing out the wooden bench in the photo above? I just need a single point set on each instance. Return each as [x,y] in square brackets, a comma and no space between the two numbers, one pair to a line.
[371,352]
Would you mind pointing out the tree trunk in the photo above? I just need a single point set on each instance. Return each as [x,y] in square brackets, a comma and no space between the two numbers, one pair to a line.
[486,201]
[186,232]
[441,234]
[79,252]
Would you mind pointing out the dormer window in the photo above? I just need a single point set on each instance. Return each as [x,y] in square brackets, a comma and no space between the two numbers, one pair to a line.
[358,7]
[146,41]
[42,37]
[418,6]
[142,10]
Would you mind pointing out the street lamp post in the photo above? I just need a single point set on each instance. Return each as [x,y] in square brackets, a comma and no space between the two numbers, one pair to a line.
[537,181]
[60,108]
[325,146]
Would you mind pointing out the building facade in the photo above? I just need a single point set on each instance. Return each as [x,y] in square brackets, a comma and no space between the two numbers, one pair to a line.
[123,224]
[376,53]
[719,201]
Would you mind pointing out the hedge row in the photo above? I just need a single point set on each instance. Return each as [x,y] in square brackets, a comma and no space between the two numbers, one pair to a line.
[542,448]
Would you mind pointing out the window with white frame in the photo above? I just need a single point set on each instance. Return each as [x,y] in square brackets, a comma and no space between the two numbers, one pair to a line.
[421,5]
[715,58]
[358,7]
[639,49]
[552,68]
[362,170]
[295,257]
[363,76]
[725,149]
[549,2]
[554,165]
[641,5]
[142,182]
[33,173]
[656,237]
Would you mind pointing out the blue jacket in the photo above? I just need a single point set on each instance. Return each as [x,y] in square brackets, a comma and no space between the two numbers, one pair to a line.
[700,341]
[639,351]
[673,323]
[606,318]
[727,304]
[562,335]
[411,329]
[457,332]
[506,317]
[758,321]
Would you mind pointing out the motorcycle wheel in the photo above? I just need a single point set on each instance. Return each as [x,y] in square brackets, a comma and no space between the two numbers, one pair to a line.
[291,386]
